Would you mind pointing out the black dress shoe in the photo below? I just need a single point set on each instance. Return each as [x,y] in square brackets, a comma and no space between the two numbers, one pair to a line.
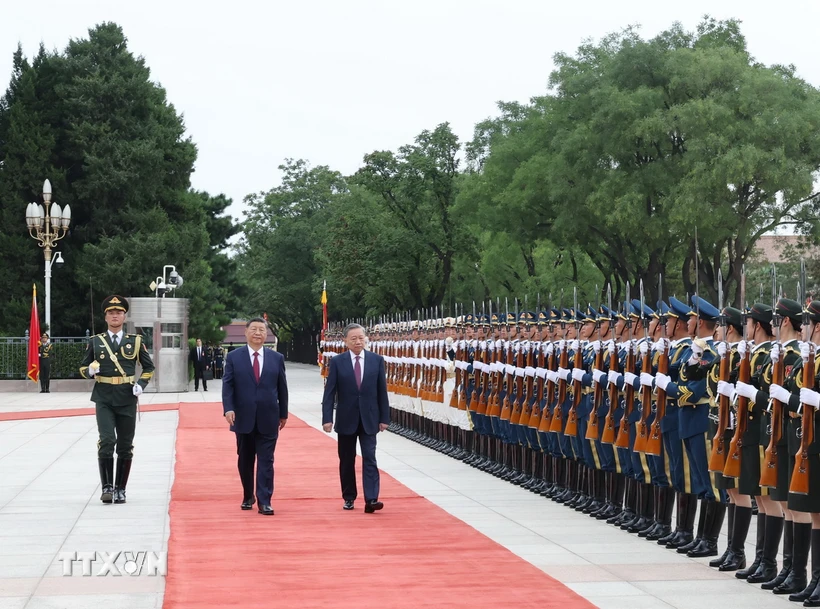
[372,506]
[265,510]
[247,504]
[348,505]
[119,495]
[107,494]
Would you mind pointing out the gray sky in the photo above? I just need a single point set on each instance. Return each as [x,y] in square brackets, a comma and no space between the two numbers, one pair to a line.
[332,80]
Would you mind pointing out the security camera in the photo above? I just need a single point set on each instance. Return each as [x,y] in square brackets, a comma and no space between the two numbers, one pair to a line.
[58,261]
[173,277]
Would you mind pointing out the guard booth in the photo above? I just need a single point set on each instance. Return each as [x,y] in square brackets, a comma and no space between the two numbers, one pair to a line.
[163,324]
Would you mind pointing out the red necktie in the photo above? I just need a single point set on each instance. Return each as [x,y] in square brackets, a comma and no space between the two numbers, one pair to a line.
[256,366]
[357,370]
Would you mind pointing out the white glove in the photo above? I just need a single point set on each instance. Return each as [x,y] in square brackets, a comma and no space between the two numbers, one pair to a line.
[746,390]
[742,347]
[662,380]
[596,346]
[775,353]
[561,344]
[137,390]
[660,346]
[644,347]
[448,342]
[610,347]
[697,353]
[92,369]
[779,393]
[613,377]
[810,397]
[646,379]
[805,349]
[598,375]
[630,378]
[721,349]
[548,348]
[727,389]
[574,345]
[563,374]
[578,374]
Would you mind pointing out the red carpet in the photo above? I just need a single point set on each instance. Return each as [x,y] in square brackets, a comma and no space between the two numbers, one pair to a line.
[74,412]
[312,553]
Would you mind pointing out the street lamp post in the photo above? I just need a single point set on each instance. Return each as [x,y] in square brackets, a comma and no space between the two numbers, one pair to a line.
[47,226]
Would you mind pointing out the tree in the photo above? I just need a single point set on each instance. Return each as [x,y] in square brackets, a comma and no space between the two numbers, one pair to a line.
[418,187]
[640,143]
[91,120]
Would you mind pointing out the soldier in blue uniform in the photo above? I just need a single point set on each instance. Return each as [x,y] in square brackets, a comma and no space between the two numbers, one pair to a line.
[693,426]
[111,360]
[676,345]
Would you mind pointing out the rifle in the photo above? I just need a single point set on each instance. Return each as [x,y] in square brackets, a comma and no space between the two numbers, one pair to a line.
[493,406]
[571,428]
[800,474]
[598,393]
[717,460]
[517,404]
[732,467]
[642,428]
[622,440]
[563,362]
[546,418]
[654,442]
[535,388]
[608,436]
[485,376]
[506,406]
[768,474]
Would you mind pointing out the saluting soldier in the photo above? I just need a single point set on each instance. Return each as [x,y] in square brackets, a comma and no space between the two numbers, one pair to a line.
[45,363]
[111,359]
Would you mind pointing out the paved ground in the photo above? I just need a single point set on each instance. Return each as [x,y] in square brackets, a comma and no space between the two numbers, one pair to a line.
[49,506]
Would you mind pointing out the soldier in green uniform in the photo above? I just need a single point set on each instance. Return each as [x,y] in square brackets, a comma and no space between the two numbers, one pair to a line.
[111,359]
[45,363]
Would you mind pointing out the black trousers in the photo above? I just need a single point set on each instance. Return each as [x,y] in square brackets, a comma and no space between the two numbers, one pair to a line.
[45,374]
[256,449]
[347,465]
[199,373]
[116,425]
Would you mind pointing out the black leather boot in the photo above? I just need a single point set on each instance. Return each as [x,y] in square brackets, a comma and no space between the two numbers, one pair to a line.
[666,499]
[715,513]
[796,580]
[759,540]
[788,548]
[689,508]
[646,509]
[106,478]
[120,482]
[619,483]
[685,548]
[771,541]
[737,549]
[807,592]
[678,520]
[730,514]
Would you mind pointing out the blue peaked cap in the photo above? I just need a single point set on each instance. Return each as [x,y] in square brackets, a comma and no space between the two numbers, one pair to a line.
[678,308]
[636,307]
[704,309]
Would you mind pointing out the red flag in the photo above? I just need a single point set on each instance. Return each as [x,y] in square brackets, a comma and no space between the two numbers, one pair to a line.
[34,340]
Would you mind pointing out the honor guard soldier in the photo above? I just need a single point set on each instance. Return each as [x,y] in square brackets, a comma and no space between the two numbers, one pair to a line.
[111,360]
[45,363]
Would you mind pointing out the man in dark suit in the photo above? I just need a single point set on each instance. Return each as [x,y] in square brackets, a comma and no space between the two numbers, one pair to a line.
[255,403]
[199,357]
[356,384]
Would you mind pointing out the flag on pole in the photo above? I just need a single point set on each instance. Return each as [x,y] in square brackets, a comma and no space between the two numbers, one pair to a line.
[33,359]
[324,309]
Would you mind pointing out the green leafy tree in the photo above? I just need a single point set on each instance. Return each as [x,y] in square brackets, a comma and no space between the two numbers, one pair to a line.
[640,143]
[92,121]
